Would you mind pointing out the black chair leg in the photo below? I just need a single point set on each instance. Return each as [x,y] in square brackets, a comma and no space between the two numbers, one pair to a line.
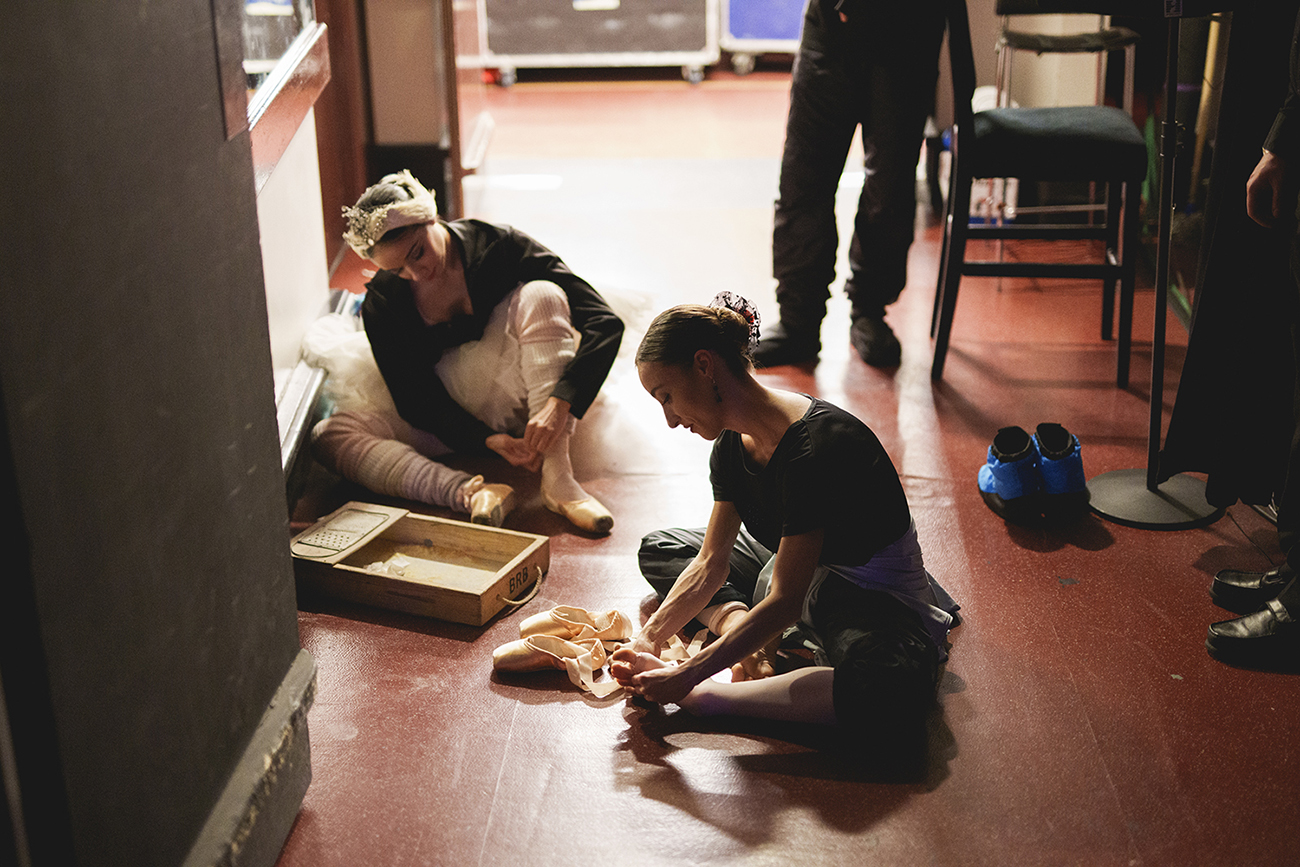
[943,256]
[1127,280]
[954,256]
[1112,255]
[934,147]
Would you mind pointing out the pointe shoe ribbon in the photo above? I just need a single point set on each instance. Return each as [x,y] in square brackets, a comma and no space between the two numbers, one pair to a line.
[677,650]
[581,659]
[585,514]
[573,623]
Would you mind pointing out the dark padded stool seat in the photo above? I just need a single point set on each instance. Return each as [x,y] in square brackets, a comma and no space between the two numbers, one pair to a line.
[1071,143]
[1094,42]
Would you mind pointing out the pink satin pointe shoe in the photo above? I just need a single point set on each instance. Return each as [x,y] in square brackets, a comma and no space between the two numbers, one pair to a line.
[585,514]
[490,504]
[540,652]
[573,624]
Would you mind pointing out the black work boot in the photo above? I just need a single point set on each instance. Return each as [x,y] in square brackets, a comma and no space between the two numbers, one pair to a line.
[874,340]
[788,345]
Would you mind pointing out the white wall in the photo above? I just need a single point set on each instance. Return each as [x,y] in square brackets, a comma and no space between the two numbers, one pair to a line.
[293,245]
[1054,79]
[403,39]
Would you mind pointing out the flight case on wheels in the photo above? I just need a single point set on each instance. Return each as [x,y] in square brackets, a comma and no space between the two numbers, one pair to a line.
[525,34]
[754,27]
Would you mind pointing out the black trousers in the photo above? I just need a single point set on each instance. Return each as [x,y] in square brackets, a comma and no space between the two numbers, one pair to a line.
[877,72]
[1288,506]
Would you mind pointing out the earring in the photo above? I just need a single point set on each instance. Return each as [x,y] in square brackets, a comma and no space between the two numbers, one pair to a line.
[716,394]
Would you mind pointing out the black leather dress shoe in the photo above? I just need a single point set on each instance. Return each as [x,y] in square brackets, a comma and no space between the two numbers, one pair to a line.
[1244,592]
[1269,638]
[783,346]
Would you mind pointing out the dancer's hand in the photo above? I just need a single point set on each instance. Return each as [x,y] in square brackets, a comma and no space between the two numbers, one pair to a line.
[545,427]
[515,451]
[650,677]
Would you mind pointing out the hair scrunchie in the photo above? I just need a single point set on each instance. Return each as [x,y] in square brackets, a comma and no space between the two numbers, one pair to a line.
[743,306]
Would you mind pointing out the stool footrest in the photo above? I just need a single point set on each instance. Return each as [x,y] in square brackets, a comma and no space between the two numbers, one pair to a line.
[1055,232]
[1040,269]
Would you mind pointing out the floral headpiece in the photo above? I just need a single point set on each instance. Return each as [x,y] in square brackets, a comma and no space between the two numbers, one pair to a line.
[366,225]
[743,306]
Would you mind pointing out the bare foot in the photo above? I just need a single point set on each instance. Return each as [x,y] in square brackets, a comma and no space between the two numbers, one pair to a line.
[703,700]
[626,664]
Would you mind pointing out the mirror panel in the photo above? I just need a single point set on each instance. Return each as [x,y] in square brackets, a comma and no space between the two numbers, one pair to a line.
[271,27]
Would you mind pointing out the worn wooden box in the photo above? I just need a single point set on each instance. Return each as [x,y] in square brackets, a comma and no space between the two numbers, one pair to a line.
[391,558]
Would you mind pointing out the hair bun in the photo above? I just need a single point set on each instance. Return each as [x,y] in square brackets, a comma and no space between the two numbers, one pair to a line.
[742,305]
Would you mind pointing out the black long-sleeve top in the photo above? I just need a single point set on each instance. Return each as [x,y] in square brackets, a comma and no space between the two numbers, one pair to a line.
[498,259]
[1284,138]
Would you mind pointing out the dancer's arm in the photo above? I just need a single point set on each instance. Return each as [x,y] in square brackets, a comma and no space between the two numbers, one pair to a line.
[698,582]
[796,558]
[545,428]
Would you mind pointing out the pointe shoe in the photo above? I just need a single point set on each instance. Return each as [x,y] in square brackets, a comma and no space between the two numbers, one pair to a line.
[490,504]
[585,514]
[572,623]
[540,652]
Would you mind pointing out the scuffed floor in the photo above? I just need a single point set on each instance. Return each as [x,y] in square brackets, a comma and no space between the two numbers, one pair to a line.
[1081,720]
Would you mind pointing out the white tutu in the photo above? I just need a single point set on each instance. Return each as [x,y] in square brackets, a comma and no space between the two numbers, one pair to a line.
[337,344]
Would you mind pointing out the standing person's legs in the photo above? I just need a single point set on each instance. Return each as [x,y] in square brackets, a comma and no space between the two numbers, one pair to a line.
[1270,636]
[885,220]
[1288,505]
[824,109]
[1288,512]
[1244,591]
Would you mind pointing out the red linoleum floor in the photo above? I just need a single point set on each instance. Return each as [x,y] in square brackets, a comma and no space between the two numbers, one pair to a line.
[1081,720]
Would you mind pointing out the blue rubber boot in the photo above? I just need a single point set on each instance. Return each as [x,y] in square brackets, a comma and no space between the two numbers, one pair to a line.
[1060,464]
[1009,481]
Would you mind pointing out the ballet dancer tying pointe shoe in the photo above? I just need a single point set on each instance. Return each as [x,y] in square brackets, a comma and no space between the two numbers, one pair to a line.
[486,341]
[809,525]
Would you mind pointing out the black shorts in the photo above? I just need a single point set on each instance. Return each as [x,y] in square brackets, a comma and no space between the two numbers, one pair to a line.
[886,665]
